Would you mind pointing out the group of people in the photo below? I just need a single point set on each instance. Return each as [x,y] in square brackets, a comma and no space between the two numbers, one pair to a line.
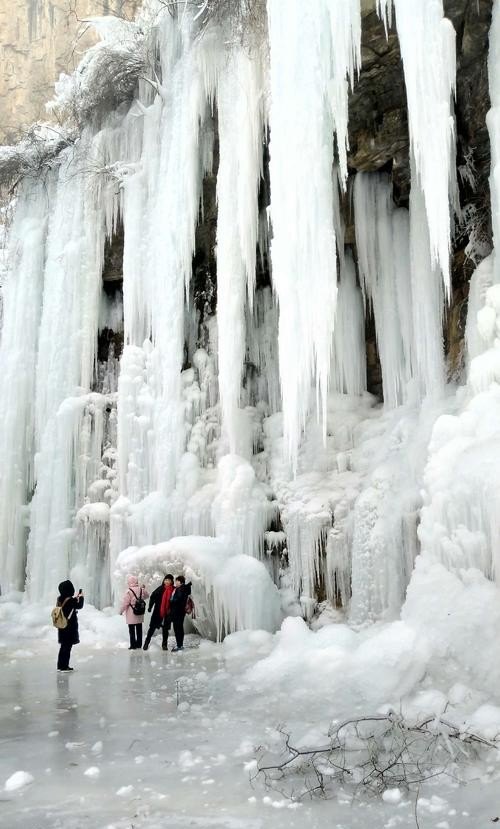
[167,605]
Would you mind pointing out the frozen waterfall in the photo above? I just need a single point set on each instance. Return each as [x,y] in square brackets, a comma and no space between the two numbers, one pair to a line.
[222,347]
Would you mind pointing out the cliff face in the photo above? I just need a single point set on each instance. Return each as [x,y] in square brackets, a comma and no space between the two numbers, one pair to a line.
[378,136]
[39,39]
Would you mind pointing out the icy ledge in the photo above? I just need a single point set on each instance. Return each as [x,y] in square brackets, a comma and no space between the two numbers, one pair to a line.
[231,592]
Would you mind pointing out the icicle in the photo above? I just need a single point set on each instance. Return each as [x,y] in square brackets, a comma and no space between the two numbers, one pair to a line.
[345,45]
[402,269]
[427,41]
[262,347]
[240,135]
[480,281]
[349,356]
[338,221]
[303,245]
[427,301]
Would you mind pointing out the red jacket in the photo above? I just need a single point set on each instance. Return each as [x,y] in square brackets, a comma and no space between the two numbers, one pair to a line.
[165,600]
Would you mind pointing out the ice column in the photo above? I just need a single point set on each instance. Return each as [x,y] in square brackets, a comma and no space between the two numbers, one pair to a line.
[377,268]
[239,92]
[22,310]
[307,42]
[66,360]
[427,41]
[349,357]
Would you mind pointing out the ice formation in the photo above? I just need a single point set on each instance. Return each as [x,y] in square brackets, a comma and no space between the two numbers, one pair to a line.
[427,41]
[313,51]
[243,445]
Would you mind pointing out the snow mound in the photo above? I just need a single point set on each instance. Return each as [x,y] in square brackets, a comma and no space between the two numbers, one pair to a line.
[18,780]
[381,664]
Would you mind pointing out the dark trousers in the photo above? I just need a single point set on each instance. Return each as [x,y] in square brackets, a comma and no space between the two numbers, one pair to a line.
[153,627]
[178,623]
[135,633]
[165,630]
[64,655]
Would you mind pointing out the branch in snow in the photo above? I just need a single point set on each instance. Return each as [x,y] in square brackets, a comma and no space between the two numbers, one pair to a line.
[378,753]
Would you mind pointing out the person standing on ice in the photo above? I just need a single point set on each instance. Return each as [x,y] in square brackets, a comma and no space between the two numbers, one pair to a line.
[166,618]
[178,610]
[156,604]
[68,636]
[132,605]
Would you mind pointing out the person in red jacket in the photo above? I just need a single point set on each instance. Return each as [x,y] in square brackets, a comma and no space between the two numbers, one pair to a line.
[165,616]
[156,620]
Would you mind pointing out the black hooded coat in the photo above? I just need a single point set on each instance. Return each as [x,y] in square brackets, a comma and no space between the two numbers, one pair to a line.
[69,634]
[155,605]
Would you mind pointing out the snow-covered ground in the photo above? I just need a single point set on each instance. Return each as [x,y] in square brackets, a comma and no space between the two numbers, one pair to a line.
[149,740]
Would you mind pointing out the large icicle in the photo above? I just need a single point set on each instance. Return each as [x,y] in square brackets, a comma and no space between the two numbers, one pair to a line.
[22,297]
[240,141]
[427,302]
[427,41]
[306,45]
[377,268]
[349,357]
[398,278]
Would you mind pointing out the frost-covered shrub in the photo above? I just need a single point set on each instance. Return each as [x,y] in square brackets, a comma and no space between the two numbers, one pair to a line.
[35,153]
[106,76]
[240,16]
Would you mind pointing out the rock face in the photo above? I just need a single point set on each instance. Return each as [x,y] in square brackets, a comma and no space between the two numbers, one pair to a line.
[39,39]
[378,137]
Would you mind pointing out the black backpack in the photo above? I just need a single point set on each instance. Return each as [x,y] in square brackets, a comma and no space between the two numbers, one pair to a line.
[139,607]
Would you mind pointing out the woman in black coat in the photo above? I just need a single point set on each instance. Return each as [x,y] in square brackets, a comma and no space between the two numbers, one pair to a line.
[178,601]
[68,636]
[156,620]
